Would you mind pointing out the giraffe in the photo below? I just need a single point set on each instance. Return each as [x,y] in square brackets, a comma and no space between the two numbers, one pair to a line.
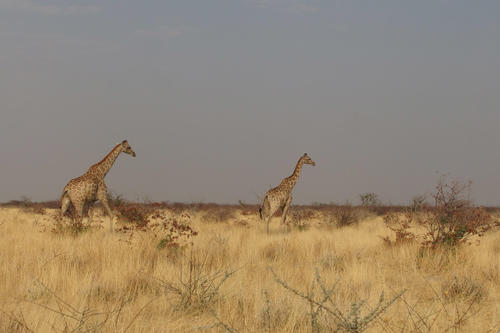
[281,195]
[90,187]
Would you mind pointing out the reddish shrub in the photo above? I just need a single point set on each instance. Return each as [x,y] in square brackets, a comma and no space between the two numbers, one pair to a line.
[451,221]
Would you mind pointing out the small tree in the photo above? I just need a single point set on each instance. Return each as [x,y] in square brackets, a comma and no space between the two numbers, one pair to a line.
[369,199]
[343,215]
[418,202]
[400,225]
[453,219]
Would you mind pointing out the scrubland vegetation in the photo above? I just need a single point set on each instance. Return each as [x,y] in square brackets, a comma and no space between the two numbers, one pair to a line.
[428,267]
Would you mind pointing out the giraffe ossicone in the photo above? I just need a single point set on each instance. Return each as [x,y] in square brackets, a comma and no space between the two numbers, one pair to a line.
[281,195]
[90,187]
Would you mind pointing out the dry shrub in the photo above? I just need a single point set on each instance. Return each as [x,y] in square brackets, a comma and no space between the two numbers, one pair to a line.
[73,229]
[326,315]
[418,203]
[452,220]
[342,216]
[462,288]
[197,286]
[400,225]
[300,218]
[333,262]
[172,230]
[28,205]
[217,214]
[247,209]
[369,199]
[135,213]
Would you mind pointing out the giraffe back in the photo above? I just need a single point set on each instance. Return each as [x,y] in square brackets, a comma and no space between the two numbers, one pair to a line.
[83,188]
[275,199]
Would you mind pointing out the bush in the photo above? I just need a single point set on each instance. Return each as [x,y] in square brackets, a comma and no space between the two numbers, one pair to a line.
[451,221]
[116,199]
[322,305]
[418,203]
[172,230]
[218,214]
[197,288]
[343,216]
[300,218]
[135,213]
[400,226]
[369,199]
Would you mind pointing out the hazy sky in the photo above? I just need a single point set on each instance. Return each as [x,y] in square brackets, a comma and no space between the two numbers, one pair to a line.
[220,98]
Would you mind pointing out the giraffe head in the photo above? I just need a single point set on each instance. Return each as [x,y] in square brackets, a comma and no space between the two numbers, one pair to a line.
[308,160]
[126,148]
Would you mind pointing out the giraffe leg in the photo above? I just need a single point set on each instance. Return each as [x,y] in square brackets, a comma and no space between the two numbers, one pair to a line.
[103,198]
[65,202]
[90,211]
[285,209]
[79,213]
[266,212]
[85,212]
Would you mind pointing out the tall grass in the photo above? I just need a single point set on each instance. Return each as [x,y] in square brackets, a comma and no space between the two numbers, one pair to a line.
[231,277]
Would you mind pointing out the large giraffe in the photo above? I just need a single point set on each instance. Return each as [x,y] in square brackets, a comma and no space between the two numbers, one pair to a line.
[90,186]
[281,195]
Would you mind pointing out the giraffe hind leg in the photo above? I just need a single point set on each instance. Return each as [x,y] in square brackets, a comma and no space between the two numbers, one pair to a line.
[264,209]
[78,213]
[65,202]
[87,212]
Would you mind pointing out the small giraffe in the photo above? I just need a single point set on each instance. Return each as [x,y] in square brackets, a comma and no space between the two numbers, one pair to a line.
[90,186]
[281,195]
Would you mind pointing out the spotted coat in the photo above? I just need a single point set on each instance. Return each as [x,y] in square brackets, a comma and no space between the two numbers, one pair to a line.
[281,195]
[83,191]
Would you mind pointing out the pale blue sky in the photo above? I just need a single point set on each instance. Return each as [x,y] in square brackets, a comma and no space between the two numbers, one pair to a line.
[220,98]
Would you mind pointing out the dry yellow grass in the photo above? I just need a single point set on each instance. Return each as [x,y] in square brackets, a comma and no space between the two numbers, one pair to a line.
[101,282]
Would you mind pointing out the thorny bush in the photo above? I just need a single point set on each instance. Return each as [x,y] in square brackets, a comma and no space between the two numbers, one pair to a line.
[217,214]
[452,220]
[400,225]
[343,215]
[300,217]
[173,230]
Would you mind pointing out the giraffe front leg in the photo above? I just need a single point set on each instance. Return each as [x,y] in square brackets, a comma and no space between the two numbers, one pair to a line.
[285,209]
[103,198]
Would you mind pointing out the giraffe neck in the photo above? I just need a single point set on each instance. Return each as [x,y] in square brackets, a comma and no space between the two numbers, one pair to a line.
[102,168]
[296,173]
